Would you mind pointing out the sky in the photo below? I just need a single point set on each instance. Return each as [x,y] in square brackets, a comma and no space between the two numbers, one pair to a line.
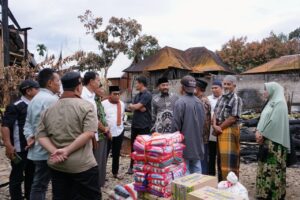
[177,23]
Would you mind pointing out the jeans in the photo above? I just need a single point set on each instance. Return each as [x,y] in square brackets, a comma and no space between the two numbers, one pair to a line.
[40,181]
[115,146]
[134,133]
[193,166]
[212,151]
[204,162]
[76,186]
[20,172]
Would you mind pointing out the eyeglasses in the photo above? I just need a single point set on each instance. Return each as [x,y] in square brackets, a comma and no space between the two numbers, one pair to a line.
[116,94]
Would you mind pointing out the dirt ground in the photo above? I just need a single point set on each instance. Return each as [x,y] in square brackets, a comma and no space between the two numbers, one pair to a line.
[248,174]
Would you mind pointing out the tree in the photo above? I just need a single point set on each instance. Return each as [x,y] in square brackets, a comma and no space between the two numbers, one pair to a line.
[41,49]
[241,55]
[294,34]
[120,35]
[144,46]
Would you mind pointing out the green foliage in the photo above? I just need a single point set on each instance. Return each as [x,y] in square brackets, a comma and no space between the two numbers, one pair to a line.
[295,34]
[41,49]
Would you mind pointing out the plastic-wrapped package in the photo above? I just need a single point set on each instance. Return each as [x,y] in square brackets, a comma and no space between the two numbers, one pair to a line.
[160,140]
[232,185]
[158,161]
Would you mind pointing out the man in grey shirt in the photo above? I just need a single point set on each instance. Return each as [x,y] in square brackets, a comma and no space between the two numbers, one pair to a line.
[49,82]
[189,117]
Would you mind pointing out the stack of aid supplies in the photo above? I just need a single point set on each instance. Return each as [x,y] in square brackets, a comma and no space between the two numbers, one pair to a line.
[158,161]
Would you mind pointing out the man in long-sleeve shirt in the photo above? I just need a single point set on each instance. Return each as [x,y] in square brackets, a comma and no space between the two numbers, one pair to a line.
[189,117]
[162,108]
[49,82]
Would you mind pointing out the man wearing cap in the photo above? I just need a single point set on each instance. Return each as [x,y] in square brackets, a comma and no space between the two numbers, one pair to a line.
[216,89]
[227,128]
[66,131]
[114,110]
[189,117]
[15,142]
[141,107]
[49,82]
[200,93]
[162,107]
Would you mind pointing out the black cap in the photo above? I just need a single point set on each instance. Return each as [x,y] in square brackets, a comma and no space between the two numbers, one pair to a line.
[114,89]
[70,80]
[201,84]
[28,84]
[162,80]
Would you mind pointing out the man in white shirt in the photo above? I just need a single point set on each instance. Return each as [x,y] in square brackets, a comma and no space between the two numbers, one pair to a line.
[216,89]
[114,110]
[91,82]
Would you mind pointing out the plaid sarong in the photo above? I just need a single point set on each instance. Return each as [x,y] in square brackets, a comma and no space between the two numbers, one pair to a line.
[229,152]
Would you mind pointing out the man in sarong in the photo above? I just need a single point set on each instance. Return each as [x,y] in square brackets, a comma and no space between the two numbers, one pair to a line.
[227,128]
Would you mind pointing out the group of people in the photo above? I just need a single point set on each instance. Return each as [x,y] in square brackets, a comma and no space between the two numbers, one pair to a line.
[67,137]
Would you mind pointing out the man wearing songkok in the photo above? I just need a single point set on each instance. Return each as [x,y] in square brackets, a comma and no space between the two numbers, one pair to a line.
[114,110]
[162,107]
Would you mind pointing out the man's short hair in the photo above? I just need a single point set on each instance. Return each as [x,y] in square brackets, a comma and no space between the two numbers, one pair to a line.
[70,81]
[142,79]
[88,76]
[44,76]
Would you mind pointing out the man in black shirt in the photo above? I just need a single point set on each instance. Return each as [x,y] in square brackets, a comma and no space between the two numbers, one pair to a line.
[15,142]
[141,107]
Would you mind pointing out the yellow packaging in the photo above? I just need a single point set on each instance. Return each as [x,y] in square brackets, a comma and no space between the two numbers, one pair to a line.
[148,196]
[210,193]
[184,185]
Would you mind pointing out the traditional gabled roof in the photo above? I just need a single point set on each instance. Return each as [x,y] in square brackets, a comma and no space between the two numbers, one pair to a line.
[196,60]
[203,60]
[165,58]
[283,63]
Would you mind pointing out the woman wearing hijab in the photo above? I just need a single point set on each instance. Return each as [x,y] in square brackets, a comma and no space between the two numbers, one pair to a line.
[273,137]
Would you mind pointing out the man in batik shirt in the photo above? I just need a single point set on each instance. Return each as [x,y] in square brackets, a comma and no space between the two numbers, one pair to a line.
[162,107]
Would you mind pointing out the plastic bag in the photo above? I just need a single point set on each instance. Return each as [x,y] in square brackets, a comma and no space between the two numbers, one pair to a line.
[232,185]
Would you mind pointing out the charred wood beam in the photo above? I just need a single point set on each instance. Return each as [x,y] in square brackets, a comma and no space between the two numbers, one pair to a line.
[5,32]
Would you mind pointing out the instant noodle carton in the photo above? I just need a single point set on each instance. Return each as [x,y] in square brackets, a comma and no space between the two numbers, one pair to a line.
[184,185]
[210,193]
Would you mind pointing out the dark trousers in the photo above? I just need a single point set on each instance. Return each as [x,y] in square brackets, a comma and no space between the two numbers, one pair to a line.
[23,171]
[115,146]
[204,162]
[134,133]
[41,180]
[212,152]
[78,186]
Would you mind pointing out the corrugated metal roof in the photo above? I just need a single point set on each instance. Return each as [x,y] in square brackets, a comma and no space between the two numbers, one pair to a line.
[283,63]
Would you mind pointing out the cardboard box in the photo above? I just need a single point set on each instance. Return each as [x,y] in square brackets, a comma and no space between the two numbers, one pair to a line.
[210,193]
[184,185]
[148,196]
